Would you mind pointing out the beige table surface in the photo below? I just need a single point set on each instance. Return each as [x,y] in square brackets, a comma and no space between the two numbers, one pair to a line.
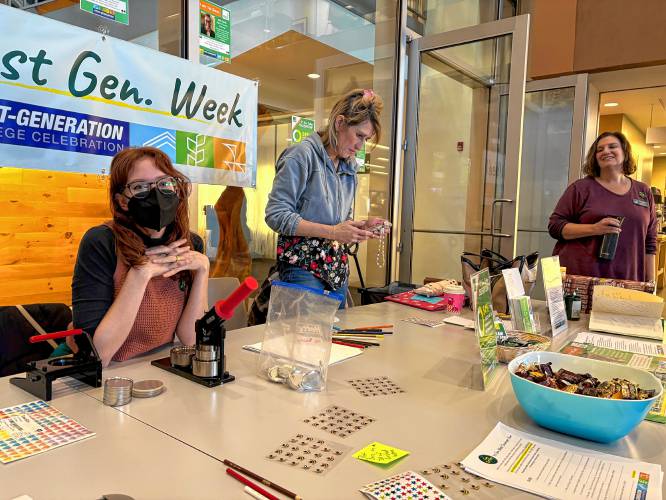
[440,418]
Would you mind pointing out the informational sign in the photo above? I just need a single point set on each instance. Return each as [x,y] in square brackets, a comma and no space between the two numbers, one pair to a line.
[70,99]
[301,128]
[214,31]
[552,283]
[114,10]
[360,160]
[484,324]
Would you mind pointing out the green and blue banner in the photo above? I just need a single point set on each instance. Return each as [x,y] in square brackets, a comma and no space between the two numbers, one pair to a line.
[70,99]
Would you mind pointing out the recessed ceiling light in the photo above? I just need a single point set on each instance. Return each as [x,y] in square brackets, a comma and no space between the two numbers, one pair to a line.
[349,6]
[314,76]
[266,30]
[611,104]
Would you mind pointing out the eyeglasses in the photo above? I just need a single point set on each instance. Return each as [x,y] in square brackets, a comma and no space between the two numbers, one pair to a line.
[166,185]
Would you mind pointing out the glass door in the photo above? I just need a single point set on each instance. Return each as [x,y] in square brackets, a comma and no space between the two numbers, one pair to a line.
[552,156]
[464,122]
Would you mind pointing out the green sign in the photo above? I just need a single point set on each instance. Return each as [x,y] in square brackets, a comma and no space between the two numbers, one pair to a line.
[214,31]
[301,128]
[360,160]
[113,10]
[194,149]
[484,324]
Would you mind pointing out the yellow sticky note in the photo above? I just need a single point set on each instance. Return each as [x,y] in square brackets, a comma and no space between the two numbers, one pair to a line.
[379,453]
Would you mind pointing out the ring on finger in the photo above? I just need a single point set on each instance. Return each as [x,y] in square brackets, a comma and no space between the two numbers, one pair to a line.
[177,258]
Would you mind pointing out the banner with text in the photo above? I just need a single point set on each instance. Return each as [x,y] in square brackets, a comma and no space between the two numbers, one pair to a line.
[70,99]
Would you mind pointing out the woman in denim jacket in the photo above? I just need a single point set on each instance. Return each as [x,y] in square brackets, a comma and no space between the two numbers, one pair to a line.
[310,205]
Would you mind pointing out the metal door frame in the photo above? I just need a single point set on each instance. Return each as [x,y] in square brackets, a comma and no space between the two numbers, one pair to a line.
[518,27]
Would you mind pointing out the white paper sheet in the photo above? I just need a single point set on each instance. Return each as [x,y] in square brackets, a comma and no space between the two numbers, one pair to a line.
[459,321]
[556,470]
[339,352]
[622,344]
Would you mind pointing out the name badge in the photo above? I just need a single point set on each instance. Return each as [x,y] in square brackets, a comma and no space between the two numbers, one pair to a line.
[641,203]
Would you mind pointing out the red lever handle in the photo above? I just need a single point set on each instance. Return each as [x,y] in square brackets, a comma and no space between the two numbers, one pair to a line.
[55,335]
[225,308]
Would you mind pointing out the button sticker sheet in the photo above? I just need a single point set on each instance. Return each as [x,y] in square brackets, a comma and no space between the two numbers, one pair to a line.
[454,480]
[309,453]
[338,421]
[35,427]
[407,485]
[375,386]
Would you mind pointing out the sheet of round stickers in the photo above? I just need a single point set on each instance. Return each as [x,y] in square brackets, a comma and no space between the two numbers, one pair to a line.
[338,421]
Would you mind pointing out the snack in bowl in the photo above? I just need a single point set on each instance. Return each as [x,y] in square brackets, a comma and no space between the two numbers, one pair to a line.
[582,383]
[598,417]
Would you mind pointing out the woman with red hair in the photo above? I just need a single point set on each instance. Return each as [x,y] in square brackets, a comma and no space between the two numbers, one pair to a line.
[141,278]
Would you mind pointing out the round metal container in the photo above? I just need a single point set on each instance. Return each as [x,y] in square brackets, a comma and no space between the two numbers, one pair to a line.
[117,391]
[147,388]
[207,352]
[205,369]
[182,355]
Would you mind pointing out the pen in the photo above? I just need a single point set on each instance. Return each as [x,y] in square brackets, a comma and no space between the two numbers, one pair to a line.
[364,343]
[249,483]
[262,480]
[378,327]
[365,332]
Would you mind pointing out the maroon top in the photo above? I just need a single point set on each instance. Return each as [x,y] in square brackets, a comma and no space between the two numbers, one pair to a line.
[587,202]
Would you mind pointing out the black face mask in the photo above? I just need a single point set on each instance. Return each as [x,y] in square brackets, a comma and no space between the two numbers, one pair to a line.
[155,211]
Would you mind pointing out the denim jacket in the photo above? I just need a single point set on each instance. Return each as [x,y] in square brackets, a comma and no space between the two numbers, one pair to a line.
[307,186]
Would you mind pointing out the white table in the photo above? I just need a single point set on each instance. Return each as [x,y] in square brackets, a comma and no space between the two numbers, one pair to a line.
[439,418]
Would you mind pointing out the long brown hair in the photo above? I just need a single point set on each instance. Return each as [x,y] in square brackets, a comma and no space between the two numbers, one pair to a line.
[356,107]
[591,167]
[129,245]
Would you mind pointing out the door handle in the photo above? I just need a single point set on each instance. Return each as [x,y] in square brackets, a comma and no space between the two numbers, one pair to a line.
[492,217]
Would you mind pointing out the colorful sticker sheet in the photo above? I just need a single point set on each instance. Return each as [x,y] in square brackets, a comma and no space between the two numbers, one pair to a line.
[35,427]
[379,453]
[407,485]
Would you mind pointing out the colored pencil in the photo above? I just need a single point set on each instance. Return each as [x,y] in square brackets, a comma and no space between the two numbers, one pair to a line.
[366,332]
[249,483]
[254,494]
[378,327]
[360,342]
[262,480]
[339,342]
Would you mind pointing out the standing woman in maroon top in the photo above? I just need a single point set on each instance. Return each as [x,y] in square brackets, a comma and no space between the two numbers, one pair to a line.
[141,278]
[583,215]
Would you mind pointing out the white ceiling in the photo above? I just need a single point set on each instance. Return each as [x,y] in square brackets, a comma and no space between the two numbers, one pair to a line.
[638,105]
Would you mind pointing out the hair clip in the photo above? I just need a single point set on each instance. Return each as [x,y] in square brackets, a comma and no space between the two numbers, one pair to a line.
[368,93]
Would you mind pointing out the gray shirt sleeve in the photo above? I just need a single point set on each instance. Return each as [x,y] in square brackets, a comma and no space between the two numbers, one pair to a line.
[288,188]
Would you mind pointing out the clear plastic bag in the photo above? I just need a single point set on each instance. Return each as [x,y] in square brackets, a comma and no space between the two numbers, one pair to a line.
[297,339]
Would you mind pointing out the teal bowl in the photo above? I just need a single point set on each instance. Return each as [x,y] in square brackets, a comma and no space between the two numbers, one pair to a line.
[587,417]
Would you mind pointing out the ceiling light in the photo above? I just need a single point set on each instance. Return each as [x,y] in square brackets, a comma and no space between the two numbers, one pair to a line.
[314,76]
[266,30]
[349,7]
[611,104]
[656,147]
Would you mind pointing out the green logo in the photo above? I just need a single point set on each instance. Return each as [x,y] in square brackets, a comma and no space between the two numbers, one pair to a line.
[487,459]
[194,149]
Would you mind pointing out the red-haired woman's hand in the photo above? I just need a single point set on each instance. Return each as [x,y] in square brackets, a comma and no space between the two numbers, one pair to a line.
[177,247]
[188,261]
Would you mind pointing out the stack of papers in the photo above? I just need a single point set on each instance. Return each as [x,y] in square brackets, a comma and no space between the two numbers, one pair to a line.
[555,470]
[627,312]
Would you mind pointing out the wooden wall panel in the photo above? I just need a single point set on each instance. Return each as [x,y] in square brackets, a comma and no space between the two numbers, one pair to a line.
[43,216]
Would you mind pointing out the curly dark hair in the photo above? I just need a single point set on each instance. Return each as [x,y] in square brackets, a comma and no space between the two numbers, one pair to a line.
[591,167]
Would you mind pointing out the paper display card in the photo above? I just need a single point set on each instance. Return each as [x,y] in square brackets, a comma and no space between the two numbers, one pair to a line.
[622,344]
[627,312]
[339,352]
[484,324]
[35,427]
[513,283]
[552,282]
[556,470]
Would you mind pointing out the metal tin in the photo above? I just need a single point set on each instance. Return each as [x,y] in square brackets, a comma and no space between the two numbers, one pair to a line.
[147,388]
[202,368]
[207,352]
[182,355]
[117,391]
